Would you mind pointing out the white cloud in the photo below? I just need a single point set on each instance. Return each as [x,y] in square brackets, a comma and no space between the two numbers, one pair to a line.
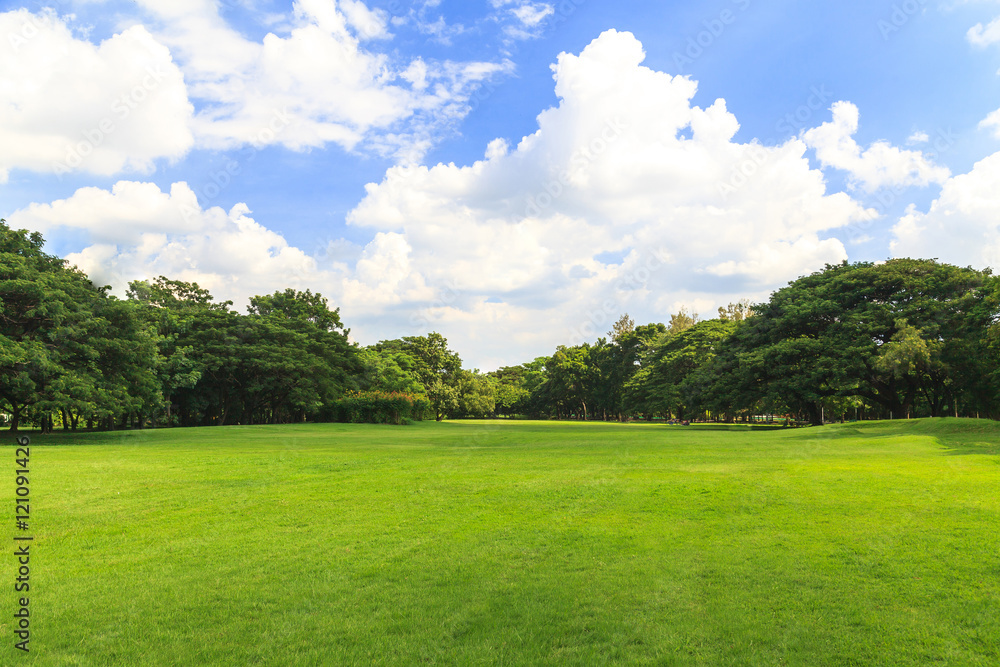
[992,121]
[918,138]
[961,225]
[608,171]
[187,78]
[138,232]
[981,36]
[333,89]
[531,14]
[367,23]
[880,165]
[67,104]
[526,18]
[626,198]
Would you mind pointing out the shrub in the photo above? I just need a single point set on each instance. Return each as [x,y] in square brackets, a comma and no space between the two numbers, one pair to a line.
[379,407]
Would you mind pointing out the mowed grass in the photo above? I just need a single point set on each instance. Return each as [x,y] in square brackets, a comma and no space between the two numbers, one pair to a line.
[513,543]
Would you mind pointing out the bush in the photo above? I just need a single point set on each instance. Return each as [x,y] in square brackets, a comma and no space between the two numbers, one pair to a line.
[379,407]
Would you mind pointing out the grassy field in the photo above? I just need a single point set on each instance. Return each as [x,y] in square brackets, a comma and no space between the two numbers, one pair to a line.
[513,543]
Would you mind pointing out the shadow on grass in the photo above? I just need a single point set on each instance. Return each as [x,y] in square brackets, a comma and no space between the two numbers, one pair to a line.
[958,435]
[741,428]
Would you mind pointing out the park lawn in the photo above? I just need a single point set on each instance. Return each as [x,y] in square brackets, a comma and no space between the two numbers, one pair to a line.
[513,543]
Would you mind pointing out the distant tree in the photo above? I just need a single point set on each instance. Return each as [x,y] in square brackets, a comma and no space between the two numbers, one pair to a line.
[286,360]
[434,361]
[444,398]
[622,328]
[452,391]
[199,344]
[389,372]
[618,361]
[510,390]
[169,308]
[301,360]
[475,394]
[736,312]
[683,319]
[570,381]
[662,386]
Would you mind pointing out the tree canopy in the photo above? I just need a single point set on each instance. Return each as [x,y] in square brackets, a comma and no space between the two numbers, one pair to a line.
[889,339]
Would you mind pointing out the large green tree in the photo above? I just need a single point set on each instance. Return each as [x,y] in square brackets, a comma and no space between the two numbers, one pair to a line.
[300,358]
[436,366]
[663,385]
[846,331]
[65,345]
[389,371]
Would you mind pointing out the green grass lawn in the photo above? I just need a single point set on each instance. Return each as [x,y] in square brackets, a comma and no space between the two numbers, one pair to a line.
[513,543]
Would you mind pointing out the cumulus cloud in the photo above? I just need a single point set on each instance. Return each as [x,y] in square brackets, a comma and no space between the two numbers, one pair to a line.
[187,78]
[71,105]
[136,231]
[878,166]
[627,198]
[625,166]
[981,36]
[992,121]
[960,227]
[319,74]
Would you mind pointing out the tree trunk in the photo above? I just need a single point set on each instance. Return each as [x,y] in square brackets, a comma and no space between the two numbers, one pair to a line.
[15,418]
[815,416]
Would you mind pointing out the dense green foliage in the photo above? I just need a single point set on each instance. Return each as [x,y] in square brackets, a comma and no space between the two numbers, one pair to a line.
[172,355]
[378,407]
[894,339]
[65,345]
[526,543]
[898,338]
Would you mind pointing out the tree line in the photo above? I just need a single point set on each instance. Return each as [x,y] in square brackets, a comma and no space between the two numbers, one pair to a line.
[879,340]
[74,356]
[886,340]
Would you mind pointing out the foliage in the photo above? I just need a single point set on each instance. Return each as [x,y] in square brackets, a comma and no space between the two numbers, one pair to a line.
[890,334]
[664,385]
[389,372]
[432,359]
[893,339]
[736,312]
[65,346]
[378,407]
[283,361]
[684,319]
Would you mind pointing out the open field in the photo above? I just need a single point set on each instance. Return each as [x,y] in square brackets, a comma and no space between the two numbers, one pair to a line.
[513,543]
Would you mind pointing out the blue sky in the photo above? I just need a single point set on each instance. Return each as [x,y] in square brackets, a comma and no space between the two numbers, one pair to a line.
[392,155]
